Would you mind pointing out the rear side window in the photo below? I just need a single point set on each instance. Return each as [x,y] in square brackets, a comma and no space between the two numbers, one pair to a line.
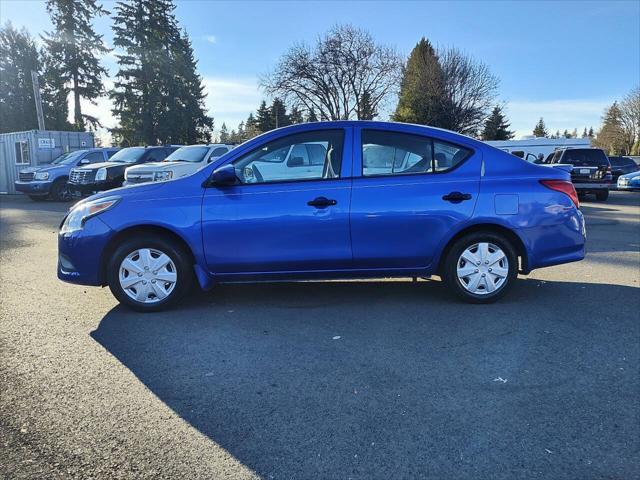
[218,152]
[593,157]
[94,157]
[394,153]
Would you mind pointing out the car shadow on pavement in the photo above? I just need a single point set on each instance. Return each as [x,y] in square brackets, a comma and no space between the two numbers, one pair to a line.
[395,379]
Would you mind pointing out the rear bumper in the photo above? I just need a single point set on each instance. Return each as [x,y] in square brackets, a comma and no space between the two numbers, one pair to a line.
[592,186]
[555,244]
[33,188]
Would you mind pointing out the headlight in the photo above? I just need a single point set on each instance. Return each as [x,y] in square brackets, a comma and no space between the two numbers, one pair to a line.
[41,176]
[160,176]
[101,175]
[81,212]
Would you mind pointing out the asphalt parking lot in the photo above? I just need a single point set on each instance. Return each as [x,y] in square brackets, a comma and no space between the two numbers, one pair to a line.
[328,380]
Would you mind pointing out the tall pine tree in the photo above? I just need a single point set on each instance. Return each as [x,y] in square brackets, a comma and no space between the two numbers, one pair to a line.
[540,129]
[496,126]
[18,57]
[158,96]
[75,49]
[422,88]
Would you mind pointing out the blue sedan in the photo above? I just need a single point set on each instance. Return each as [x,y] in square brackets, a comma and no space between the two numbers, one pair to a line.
[329,200]
[630,181]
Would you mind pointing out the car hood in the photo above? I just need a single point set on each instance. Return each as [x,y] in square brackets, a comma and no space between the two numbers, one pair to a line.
[46,168]
[165,166]
[97,166]
[126,192]
[631,175]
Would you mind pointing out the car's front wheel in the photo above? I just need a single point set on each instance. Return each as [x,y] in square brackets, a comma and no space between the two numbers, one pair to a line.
[149,274]
[60,191]
[480,267]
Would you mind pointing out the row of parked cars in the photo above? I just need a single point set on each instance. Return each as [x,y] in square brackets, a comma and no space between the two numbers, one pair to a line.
[88,171]
[84,172]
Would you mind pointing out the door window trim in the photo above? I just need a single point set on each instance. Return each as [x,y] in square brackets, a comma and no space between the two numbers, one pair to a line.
[345,137]
[471,153]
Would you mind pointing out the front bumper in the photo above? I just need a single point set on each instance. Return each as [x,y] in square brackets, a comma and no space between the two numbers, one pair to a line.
[80,253]
[83,189]
[33,188]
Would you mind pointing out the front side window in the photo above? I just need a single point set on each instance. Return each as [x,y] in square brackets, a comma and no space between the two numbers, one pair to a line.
[304,156]
[394,153]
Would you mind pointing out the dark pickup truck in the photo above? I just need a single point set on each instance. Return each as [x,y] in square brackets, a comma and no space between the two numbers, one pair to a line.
[97,177]
[590,170]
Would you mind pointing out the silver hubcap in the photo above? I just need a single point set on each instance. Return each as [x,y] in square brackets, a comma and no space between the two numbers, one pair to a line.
[482,268]
[147,275]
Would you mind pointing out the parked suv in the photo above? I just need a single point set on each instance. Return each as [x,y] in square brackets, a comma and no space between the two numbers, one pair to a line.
[107,175]
[184,161]
[590,170]
[50,180]
[622,166]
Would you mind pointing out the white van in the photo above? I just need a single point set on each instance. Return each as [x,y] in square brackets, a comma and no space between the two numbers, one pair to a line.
[533,148]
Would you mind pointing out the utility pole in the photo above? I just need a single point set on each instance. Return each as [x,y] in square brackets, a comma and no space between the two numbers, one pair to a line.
[38,99]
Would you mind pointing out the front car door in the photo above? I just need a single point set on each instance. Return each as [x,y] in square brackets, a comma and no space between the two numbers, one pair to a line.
[409,191]
[282,219]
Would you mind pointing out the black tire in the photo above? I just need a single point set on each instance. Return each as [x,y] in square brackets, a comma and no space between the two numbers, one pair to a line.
[38,198]
[180,258]
[60,191]
[602,196]
[449,268]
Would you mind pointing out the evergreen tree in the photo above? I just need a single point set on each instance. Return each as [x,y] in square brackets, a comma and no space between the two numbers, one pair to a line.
[76,49]
[158,96]
[279,117]
[566,134]
[55,93]
[540,129]
[224,134]
[311,116]
[591,134]
[251,128]
[263,118]
[557,134]
[18,57]
[584,133]
[366,111]
[496,126]
[612,137]
[295,116]
[422,88]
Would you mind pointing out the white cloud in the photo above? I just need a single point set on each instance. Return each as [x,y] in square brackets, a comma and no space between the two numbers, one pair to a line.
[558,114]
[230,100]
[211,38]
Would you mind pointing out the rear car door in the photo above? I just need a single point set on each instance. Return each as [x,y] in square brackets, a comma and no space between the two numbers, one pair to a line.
[281,220]
[409,191]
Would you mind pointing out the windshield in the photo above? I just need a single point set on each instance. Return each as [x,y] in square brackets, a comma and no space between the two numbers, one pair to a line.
[128,155]
[67,158]
[188,154]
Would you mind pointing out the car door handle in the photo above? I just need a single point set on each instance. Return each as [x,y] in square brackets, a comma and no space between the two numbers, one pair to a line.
[456,197]
[321,202]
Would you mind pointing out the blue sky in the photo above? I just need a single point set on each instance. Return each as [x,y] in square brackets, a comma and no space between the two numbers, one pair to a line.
[564,61]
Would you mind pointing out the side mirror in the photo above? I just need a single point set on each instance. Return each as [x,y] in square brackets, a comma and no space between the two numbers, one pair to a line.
[295,162]
[224,176]
[85,161]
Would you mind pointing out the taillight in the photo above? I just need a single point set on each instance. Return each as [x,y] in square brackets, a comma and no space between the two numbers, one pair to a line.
[564,187]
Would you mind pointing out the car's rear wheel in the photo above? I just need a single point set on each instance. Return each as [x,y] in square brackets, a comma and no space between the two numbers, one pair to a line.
[149,274]
[602,196]
[60,191]
[480,267]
